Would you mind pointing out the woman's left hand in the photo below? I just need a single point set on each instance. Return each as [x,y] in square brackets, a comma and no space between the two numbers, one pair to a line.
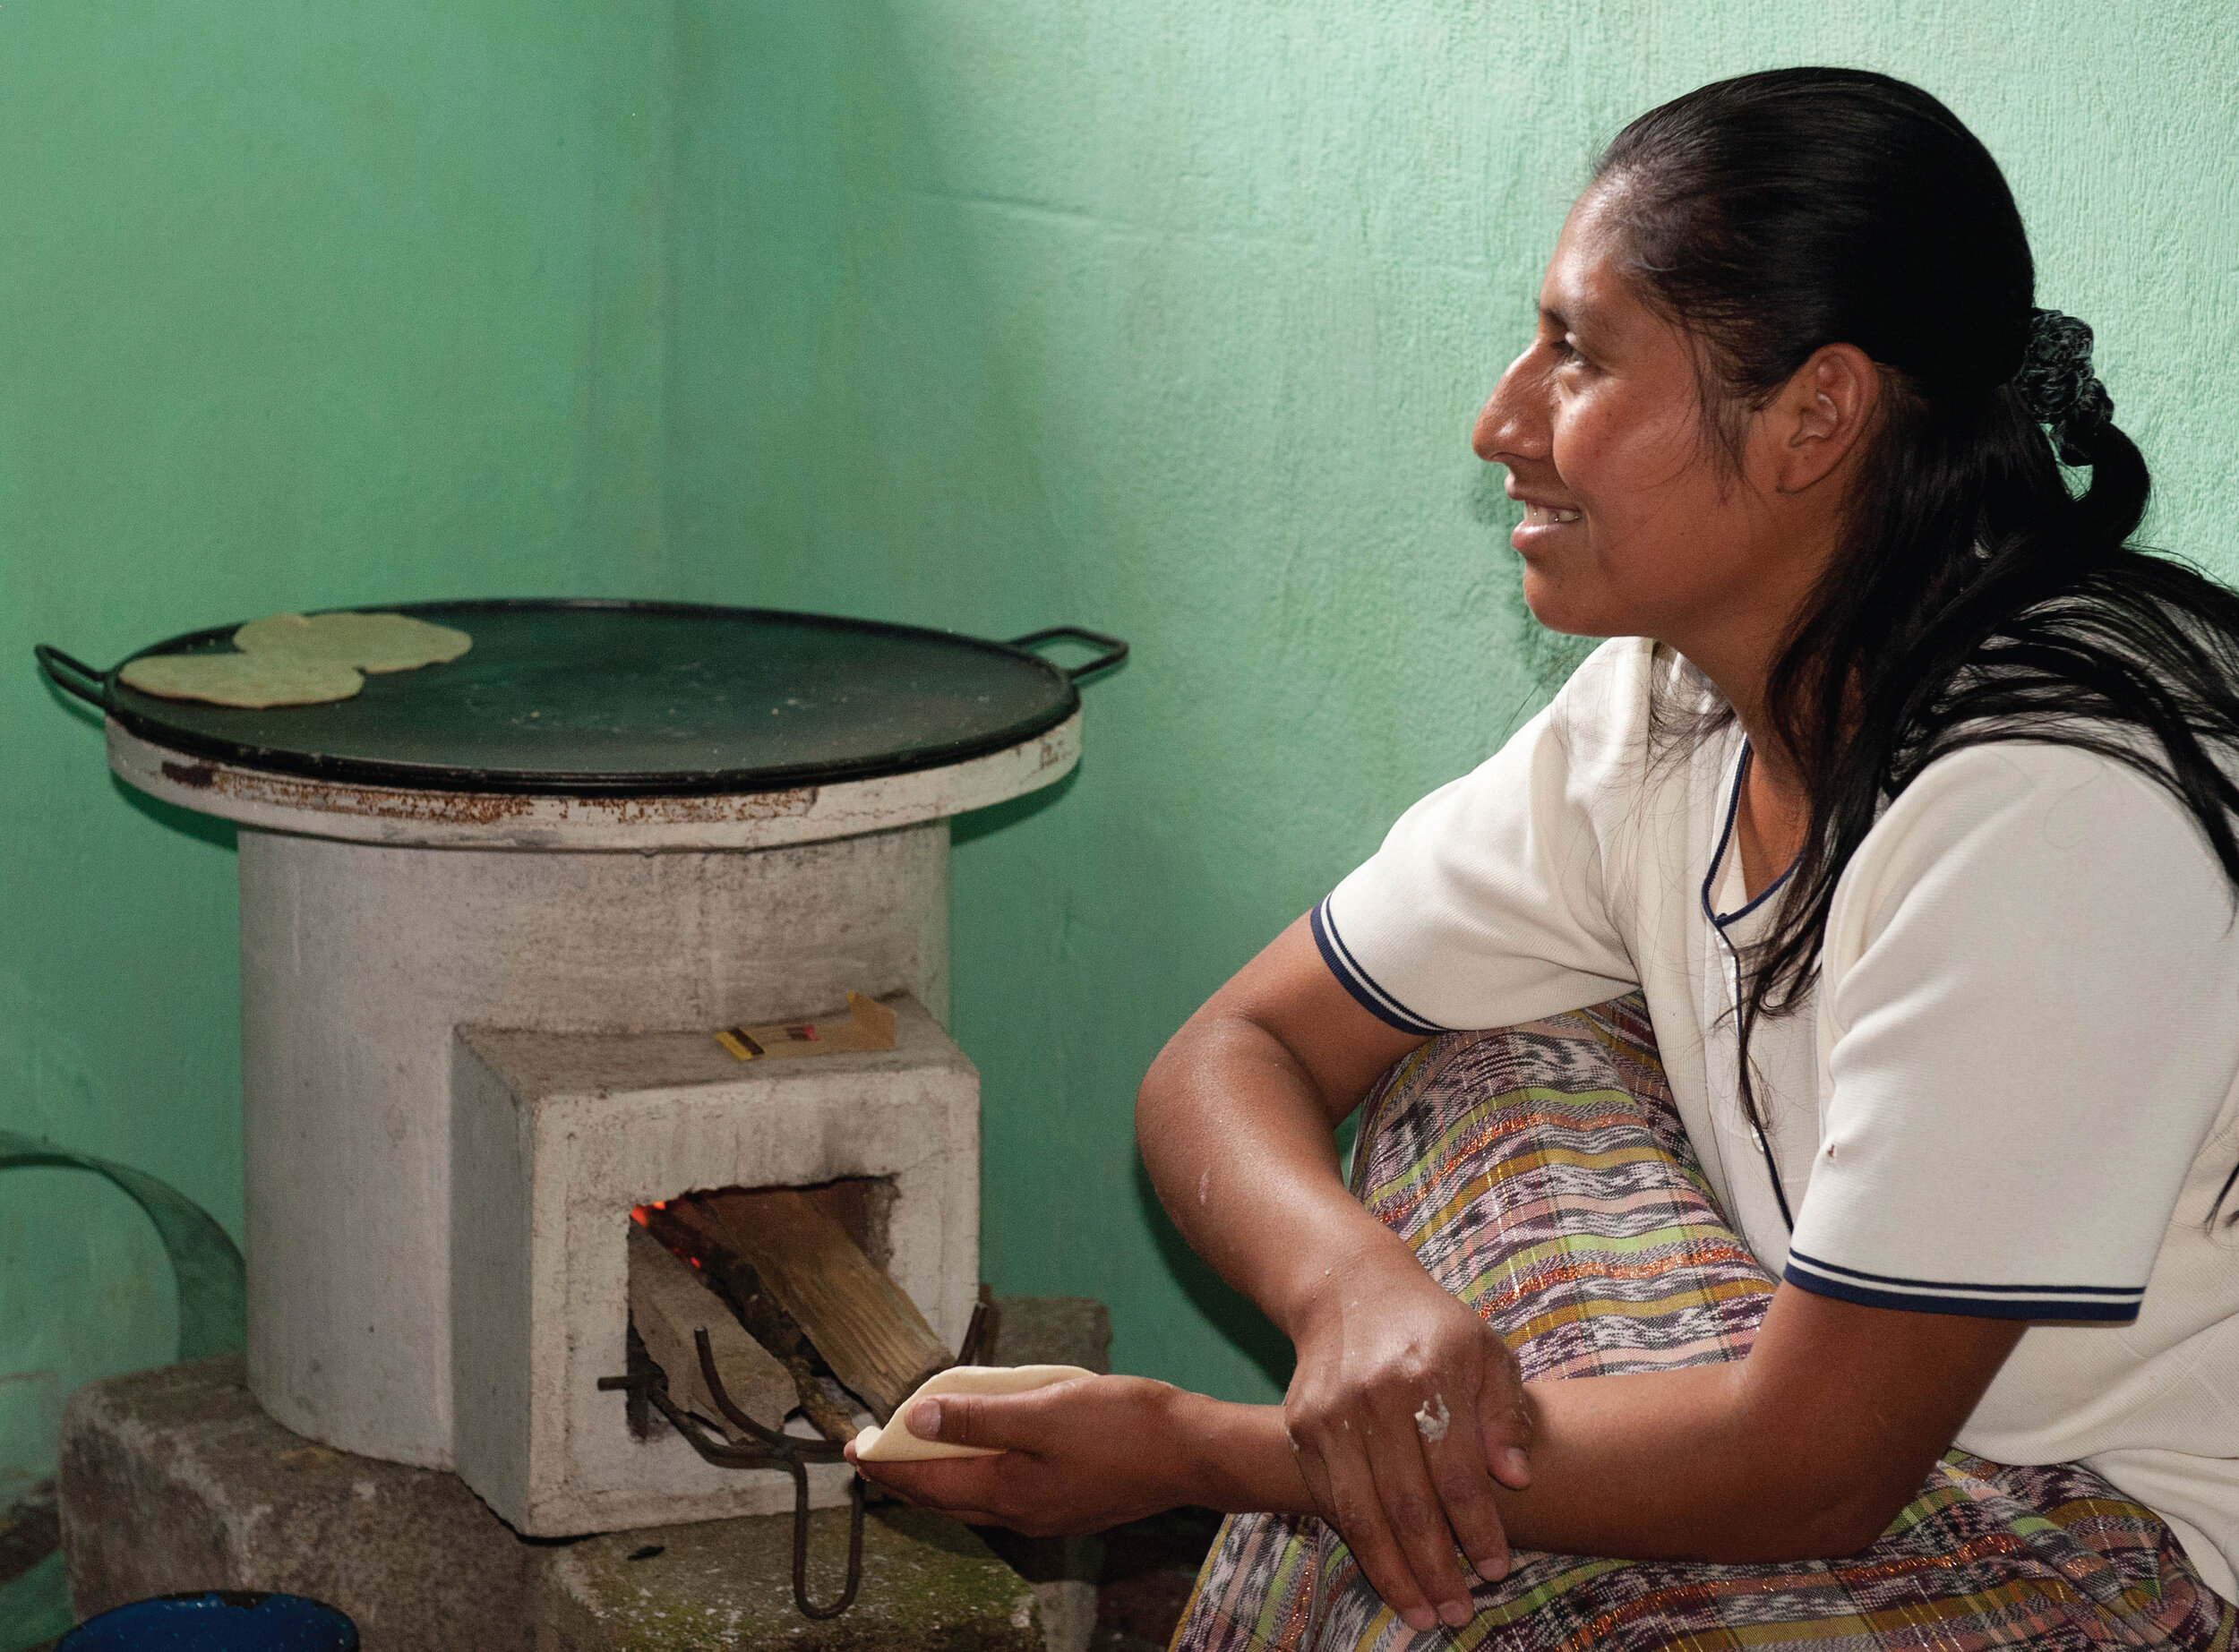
[1078,1456]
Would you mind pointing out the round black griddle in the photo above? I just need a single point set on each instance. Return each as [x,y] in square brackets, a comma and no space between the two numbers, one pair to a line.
[589,699]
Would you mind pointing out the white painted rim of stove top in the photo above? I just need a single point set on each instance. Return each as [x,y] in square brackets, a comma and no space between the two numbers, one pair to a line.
[486,820]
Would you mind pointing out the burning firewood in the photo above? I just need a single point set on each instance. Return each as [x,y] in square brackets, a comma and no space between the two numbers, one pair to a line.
[667,1303]
[866,1328]
[691,1232]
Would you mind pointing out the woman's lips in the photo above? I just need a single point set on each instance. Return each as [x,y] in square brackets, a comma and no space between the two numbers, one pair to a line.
[1541,524]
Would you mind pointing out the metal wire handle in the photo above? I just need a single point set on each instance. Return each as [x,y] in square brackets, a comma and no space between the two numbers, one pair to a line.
[70,675]
[1114,650]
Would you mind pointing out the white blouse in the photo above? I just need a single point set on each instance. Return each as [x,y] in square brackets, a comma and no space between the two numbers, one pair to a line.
[2016,1093]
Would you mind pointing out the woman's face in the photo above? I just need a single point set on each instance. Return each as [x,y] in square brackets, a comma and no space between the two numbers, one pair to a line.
[1634,524]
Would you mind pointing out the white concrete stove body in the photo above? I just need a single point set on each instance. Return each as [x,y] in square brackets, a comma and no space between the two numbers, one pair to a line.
[475,1032]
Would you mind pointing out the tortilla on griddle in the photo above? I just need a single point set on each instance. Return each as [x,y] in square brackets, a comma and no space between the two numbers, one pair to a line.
[372,642]
[255,680]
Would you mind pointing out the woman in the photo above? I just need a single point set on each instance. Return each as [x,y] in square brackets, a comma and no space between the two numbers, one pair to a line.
[1897,808]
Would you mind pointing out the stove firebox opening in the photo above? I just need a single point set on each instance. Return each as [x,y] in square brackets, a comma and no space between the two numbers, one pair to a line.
[806,1328]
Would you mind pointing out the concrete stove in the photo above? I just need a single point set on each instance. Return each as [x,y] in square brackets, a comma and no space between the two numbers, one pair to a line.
[475,1032]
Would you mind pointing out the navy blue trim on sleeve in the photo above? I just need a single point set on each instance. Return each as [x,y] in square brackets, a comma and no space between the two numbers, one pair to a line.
[2105,1305]
[1359,982]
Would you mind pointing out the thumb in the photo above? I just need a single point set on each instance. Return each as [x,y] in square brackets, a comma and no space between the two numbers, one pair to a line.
[988,1421]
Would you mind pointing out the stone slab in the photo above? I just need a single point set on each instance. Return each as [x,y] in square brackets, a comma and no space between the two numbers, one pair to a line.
[725,1586]
[176,1479]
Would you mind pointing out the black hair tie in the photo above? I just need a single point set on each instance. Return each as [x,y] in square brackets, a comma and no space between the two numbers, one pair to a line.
[2058,387]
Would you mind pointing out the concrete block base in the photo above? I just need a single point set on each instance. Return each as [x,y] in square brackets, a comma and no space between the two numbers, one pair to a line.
[929,1586]
[176,1479]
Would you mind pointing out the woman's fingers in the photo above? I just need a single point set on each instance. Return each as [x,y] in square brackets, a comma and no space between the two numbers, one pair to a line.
[952,1483]
[1396,1457]
[1454,1447]
[1337,1472]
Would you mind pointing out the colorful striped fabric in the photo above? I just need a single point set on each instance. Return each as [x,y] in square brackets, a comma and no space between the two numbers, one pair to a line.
[1543,1175]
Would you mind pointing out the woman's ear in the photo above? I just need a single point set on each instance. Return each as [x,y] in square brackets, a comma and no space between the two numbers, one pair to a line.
[1819,417]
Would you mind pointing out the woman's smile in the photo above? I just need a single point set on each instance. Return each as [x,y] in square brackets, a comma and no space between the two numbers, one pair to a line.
[1539,523]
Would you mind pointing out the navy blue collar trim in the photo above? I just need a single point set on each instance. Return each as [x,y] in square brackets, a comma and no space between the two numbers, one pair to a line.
[1718,857]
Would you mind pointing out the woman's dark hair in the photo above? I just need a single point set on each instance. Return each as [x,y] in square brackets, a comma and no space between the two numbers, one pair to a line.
[1977,596]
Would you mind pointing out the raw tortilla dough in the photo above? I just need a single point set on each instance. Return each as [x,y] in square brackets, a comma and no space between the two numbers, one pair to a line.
[372,642]
[252,680]
[895,1443]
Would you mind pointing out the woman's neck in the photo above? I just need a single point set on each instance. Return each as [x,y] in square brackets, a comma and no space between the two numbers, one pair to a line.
[1769,816]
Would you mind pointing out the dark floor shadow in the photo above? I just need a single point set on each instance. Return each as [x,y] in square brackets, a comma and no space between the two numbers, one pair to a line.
[1227,1311]
[965,828]
[203,828]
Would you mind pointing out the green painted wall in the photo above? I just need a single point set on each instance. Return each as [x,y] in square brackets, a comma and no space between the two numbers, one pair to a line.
[1162,318]
[299,304]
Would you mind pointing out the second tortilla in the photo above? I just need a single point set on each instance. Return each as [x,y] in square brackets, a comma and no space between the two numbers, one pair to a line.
[254,681]
[372,642]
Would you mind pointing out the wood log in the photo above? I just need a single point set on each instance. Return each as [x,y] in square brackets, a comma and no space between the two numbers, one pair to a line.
[667,1303]
[866,1328]
[689,1231]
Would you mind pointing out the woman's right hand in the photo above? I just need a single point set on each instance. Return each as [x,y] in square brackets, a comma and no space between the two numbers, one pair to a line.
[1403,1410]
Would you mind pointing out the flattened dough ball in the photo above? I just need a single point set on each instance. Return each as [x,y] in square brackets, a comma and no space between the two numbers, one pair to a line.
[372,642]
[895,1443]
[248,680]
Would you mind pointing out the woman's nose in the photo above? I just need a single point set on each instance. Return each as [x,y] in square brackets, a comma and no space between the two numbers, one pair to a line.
[1513,421]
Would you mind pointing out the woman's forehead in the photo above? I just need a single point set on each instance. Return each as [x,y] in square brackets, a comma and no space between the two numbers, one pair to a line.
[1584,284]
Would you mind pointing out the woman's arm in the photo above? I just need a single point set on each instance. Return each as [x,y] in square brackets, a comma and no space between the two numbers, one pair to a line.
[1806,1449]
[1235,1122]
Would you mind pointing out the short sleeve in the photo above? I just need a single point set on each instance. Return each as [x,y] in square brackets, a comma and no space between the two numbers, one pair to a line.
[1489,902]
[2030,1024]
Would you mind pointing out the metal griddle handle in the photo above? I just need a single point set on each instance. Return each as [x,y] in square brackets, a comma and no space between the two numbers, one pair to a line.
[1114,650]
[70,675]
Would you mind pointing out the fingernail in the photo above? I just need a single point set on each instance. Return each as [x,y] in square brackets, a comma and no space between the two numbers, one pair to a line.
[1518,1463]
[1493,1567]
[925,1419]
[1422,1620]
[1453,1614]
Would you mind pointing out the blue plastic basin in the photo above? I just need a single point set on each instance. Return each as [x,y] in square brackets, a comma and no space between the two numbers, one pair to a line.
[216,1621]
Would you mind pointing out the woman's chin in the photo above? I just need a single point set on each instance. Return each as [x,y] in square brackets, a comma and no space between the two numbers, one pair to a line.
[1552,608]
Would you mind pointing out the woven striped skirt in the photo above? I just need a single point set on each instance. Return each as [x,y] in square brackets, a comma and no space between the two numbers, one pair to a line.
[1542,1174]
